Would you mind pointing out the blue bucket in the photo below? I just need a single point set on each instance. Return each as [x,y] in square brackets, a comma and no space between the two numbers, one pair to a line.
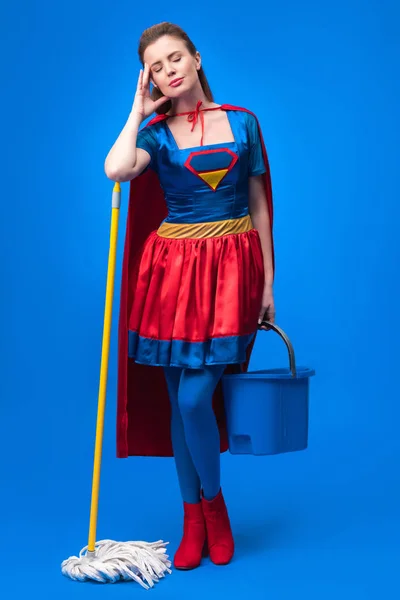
[267,411]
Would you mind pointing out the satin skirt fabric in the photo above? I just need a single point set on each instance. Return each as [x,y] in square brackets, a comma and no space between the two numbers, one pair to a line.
[195,302]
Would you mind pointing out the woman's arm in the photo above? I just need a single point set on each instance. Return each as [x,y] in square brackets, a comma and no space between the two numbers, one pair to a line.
[124,161]
[260,218]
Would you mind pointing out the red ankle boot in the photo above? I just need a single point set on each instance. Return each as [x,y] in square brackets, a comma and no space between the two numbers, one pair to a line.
[194,542]
[219,534]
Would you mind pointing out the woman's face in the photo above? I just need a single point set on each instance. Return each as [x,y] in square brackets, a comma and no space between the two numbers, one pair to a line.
[172,68]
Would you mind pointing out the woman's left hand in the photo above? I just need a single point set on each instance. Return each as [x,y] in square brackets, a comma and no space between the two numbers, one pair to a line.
[267,310]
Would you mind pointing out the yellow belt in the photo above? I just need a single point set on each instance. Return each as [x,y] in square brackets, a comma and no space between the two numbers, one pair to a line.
[204,230]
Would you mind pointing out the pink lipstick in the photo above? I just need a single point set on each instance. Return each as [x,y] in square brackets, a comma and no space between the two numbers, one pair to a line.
[176,82]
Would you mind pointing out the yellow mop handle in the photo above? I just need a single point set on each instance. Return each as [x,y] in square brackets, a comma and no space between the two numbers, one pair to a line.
[116,203]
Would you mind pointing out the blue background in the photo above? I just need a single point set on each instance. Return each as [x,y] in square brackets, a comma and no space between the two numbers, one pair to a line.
[324,83]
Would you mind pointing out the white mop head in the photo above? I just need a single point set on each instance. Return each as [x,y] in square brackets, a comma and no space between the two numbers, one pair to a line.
[115,561]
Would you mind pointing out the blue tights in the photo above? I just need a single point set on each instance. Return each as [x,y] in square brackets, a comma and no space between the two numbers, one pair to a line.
[194,430]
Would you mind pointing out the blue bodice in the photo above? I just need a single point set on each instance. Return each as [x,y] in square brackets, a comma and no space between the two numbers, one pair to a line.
[205,183]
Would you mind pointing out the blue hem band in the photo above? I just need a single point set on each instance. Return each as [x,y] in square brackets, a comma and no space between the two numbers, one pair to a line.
[189,355]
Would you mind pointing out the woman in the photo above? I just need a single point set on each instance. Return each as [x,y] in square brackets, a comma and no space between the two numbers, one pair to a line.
[197,275]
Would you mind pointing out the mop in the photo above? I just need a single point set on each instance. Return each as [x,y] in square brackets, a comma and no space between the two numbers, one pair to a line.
[107,561]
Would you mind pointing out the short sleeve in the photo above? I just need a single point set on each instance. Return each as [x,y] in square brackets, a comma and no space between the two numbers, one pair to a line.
[147,140]
[256,159]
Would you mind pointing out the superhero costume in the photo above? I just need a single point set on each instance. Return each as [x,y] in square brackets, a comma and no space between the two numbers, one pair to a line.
[192,275]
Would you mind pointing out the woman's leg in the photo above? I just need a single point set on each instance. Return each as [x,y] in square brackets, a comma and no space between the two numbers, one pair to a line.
[193,544]
[189,481]
[196,389]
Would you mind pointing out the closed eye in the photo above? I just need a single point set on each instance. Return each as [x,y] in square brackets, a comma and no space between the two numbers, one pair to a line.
[175,60]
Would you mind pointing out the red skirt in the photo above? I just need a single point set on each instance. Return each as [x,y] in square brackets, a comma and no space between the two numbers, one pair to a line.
[196,301]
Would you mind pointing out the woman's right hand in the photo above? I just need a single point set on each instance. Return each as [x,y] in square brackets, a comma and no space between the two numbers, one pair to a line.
[143,105]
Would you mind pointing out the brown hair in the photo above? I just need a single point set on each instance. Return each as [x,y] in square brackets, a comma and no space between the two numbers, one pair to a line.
[151,35]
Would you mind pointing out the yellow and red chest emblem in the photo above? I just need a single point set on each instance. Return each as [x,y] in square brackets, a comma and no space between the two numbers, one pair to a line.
[211,166]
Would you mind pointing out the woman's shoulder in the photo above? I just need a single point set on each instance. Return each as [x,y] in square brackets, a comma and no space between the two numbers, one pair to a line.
[150,131]
[249,120]
[245,114]
[153,125]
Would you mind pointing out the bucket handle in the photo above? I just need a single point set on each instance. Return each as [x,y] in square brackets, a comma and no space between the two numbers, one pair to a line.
[287,342]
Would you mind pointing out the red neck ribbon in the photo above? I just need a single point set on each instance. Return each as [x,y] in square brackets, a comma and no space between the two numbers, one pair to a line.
[193,117]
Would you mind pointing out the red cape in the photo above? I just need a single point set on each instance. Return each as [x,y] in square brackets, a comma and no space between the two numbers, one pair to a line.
[143,406]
